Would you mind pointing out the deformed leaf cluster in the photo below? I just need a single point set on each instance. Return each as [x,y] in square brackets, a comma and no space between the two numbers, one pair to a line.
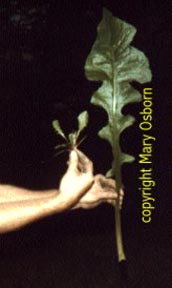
[72,139]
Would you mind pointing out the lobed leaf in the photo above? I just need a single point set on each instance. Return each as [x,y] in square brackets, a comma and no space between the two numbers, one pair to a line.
[114,62]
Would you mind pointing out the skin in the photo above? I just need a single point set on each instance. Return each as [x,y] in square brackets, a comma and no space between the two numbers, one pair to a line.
[79,188]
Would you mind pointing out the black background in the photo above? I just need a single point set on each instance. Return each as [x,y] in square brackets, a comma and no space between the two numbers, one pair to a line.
[42,78]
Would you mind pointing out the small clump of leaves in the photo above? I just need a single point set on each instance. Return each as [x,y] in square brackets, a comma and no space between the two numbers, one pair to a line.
[72,141]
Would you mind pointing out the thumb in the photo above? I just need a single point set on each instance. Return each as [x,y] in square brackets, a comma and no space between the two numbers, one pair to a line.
[73,161]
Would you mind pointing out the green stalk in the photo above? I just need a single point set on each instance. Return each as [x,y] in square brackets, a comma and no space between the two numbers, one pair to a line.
[116,166]
[119,241]
[117,172]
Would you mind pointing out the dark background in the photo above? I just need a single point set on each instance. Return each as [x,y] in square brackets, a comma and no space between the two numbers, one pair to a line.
[43,47]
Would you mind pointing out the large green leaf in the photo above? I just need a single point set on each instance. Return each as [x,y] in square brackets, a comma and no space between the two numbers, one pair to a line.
[114,62]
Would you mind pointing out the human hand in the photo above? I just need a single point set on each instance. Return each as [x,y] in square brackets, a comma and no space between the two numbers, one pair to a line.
[103,190]
[77,179]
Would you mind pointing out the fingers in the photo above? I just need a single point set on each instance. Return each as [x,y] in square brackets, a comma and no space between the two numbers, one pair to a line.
[104,182]
[79,163]
[121,195]
[109,192]
[85,164]
[73,161]
[107,183]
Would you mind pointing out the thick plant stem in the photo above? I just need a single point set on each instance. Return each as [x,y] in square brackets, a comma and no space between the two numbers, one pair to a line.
[116,170]
[119,241]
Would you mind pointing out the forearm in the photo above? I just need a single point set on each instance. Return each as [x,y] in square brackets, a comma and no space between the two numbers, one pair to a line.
[18,206]
[9,193]
[15,214]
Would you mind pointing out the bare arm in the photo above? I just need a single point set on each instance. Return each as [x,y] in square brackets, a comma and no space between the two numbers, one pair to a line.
[15,214]
[21,206]
[78,189]
[10,193]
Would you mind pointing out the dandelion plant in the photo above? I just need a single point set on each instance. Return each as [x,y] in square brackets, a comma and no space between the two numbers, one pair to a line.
[72,140]
[114,62]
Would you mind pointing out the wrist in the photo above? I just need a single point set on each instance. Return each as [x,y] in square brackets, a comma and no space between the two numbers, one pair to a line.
[66,202]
